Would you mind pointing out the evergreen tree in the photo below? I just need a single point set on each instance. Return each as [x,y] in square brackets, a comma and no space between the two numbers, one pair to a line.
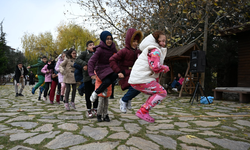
[3,49]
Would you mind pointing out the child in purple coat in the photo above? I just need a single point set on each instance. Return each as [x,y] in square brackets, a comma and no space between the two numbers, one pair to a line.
[99,62]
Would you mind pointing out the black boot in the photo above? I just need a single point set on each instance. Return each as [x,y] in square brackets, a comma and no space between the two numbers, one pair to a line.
[106,118]
[61,98]
[99,118]
[20,94]
[39,98]
[16,94]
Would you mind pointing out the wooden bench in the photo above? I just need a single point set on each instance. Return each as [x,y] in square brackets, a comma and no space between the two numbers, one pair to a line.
[244,95]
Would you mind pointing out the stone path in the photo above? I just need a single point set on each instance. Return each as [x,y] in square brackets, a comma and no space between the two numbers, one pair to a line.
[26,123]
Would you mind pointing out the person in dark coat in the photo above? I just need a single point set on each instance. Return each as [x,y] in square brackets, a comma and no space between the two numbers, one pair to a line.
[82,60]
[123,61]
[99,63]
[19,78]
[31,78]
[79,78]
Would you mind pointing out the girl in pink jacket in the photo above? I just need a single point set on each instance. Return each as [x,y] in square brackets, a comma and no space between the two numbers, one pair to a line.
[48,80]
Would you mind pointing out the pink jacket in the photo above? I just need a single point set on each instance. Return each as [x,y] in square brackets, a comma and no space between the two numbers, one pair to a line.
[60,76]
[47,74]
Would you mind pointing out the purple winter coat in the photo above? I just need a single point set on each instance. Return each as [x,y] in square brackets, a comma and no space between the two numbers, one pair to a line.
[47,75]
[123,61]
[60,76]
[100,60]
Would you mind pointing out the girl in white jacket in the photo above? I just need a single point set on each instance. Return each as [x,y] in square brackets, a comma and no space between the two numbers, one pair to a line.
[145,72]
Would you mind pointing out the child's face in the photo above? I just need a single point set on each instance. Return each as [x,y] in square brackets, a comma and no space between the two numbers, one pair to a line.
[20,66]
[109,40]
[44,60]
[162,40]
[90,47]
[63,55]
[179,75]
[73,54]
[49,62]
[134,44]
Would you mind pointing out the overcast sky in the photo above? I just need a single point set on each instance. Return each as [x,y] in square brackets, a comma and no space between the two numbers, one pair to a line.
[33,16]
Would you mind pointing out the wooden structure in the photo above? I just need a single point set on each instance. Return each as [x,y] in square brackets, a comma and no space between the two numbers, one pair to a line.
[182,54]
[242,34]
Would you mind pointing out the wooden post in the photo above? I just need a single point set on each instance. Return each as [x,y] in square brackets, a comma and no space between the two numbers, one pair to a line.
[205,41]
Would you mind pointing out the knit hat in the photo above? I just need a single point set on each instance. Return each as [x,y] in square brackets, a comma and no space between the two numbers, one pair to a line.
[104,35]
[89,43]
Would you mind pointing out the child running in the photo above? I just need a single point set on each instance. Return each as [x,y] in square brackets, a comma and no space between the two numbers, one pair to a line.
[145,72]
[122,63]
[100,63]
[48,80]
[41,77]
[60,76]
[82,60]
[67,69]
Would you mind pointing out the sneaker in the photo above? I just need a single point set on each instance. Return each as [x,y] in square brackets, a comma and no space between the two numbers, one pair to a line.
[58,102]
[106,118]
[51,102]
[145,116]
[104,93]
[61,98]
[129,107]
[123,107]
[20,94]
[33,90]
[93,97]
[175,89]
[66,105]
[72,104]
[99,118]
[17,94]
[111,97]
[89,114]
[94,111]
[45,98]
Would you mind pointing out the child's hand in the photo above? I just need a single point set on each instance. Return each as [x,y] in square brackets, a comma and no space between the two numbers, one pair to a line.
[120,75]
[28,67]
[85,67]
[93,77]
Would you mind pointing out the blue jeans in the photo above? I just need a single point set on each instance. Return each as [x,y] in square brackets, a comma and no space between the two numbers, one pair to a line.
[81,86]
[175,83]
[131,93]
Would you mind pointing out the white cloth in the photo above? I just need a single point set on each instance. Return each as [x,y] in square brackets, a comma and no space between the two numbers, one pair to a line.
[141,72]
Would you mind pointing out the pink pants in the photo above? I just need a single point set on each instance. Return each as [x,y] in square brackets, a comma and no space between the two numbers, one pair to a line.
[155,90]
[63,86]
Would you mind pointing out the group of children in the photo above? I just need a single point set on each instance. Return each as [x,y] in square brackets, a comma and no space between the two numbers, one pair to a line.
[137,70]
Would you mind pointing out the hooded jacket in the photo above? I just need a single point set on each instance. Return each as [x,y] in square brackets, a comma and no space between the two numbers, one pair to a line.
[141,72]
[60,76]
[100,60]
[48,73]
[39,66]
[123,60]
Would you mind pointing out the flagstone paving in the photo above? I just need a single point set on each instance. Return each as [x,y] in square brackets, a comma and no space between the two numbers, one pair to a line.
[26,123]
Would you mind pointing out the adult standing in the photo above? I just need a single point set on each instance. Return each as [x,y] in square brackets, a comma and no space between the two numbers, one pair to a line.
[19,78]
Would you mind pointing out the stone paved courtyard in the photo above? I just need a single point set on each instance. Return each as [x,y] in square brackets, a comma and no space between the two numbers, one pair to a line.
[27,124]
